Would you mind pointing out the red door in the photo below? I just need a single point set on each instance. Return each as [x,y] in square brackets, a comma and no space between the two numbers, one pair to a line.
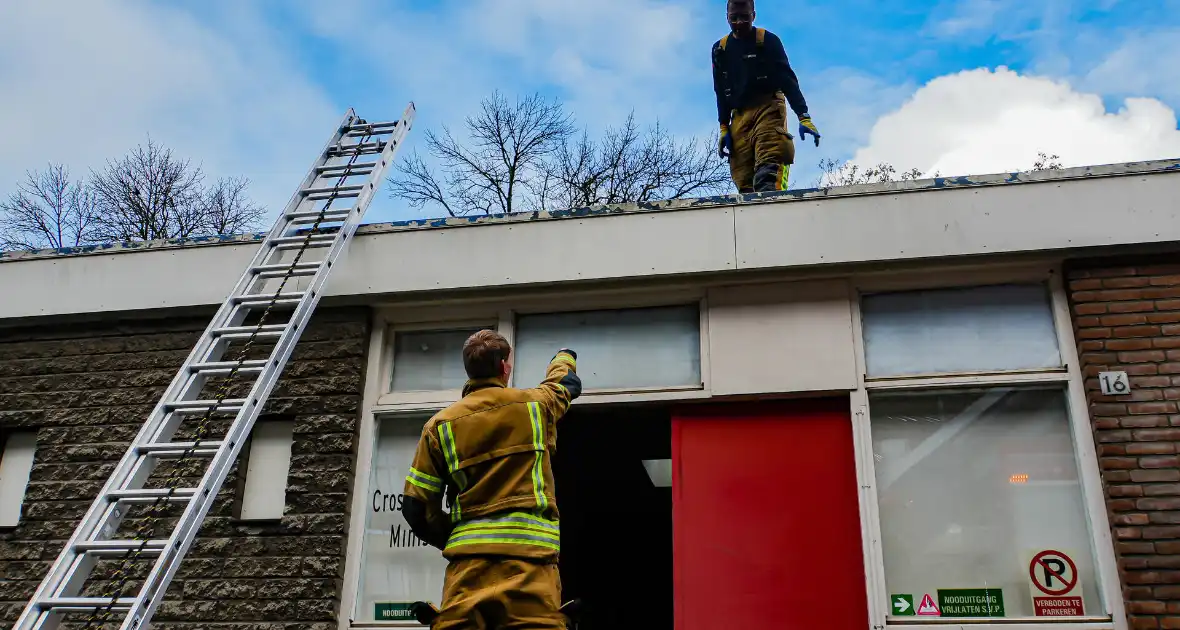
[766,528]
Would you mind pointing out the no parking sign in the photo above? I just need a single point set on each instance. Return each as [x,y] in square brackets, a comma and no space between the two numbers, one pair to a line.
[1055,584]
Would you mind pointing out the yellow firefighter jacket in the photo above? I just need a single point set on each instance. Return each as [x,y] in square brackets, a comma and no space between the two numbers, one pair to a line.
[491,453]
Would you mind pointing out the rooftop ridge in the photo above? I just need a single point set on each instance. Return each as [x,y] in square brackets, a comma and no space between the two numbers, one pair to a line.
[1124,169]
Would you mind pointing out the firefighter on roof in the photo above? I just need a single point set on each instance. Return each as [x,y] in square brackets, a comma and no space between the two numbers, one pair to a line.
[753,82]
[490,454]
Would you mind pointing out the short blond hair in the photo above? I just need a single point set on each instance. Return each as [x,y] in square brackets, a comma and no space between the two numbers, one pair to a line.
[482,353]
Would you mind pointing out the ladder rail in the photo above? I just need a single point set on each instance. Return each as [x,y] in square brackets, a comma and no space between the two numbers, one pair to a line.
[72,568]
[64,564]
[183,537]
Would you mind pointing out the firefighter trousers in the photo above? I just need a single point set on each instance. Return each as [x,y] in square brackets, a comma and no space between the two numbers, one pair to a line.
[493,593]
[763,149]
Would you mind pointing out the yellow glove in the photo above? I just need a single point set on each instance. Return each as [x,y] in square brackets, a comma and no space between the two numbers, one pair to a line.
[807,127]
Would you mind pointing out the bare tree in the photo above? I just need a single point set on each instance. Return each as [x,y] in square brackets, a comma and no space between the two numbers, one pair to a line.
[150,194]
[836,173]
[526,156]
[1047,162]
[505,150]
[627,166]
[48,210]
[225,208]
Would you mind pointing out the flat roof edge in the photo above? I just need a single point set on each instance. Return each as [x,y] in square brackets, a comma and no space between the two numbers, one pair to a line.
[1124,169]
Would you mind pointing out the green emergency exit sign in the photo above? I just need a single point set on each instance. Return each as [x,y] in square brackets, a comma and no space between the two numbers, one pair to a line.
[971,602]
[396,611]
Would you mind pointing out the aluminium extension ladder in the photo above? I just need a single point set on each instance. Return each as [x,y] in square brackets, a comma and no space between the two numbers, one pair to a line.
[97,535]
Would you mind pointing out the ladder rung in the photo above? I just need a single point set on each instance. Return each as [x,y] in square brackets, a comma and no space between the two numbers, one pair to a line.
[120,547]
[340,169]
[373,128]
[297,242]
[311,216]
[342,173]
[225,367]
[151,495]
[364,148]
[329,192]
[283,269]
[196,406]
[180,449]
[350,194]
[245,332]
[286,298]
[122,604]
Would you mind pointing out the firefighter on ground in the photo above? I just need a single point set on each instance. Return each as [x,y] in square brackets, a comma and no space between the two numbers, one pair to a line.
[490,454]
[753,82]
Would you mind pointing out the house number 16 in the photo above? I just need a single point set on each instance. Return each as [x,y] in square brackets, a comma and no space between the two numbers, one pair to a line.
[1114,383]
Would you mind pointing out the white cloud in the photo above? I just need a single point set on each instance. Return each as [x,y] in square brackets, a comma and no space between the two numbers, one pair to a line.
[844,104]
[1135,67]
[983,121]
[969,16]
[85,84]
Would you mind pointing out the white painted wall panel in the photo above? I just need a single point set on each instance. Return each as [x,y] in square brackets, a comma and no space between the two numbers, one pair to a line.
[16,463]
[122,282]
[781,337]
[594,248]
[265,494]
[997,219]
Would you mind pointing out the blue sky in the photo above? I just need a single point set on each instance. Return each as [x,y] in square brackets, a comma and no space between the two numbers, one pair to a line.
[253,88]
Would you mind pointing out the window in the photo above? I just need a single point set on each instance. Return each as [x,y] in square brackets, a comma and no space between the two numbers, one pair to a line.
[978,487]
[971,484]
[397,568]
[268,461]
[639,348]
[16,464]
[429,360]
[1005,327]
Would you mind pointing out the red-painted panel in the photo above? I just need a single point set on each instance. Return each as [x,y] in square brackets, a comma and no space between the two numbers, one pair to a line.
[766,526]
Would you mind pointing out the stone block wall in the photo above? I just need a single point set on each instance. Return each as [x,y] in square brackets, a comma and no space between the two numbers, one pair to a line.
[87,388]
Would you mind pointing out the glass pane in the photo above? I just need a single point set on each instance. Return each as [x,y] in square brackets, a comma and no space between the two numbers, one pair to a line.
[972,329]
[971,486]
[642,347]
[397,568]
[429,360]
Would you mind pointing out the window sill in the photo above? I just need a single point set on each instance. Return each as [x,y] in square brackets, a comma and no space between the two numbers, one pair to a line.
[1019,623]
[1010,377]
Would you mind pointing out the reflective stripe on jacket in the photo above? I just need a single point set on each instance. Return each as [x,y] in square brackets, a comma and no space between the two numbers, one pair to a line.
[490,454]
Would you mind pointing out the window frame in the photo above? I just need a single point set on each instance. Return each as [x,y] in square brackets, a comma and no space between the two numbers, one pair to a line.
[354,562]
[504,312]
[379,404]
[634,394]
[1070,380]
[389,397]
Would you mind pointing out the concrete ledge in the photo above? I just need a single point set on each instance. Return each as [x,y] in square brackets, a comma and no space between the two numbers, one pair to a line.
[1120,205]
[803,194]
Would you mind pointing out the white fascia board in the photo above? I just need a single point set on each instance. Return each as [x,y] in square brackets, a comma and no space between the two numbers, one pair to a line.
[1006,214]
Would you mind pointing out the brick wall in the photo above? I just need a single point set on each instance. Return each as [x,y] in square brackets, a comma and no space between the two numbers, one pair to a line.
[1127,317]
[88,388]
